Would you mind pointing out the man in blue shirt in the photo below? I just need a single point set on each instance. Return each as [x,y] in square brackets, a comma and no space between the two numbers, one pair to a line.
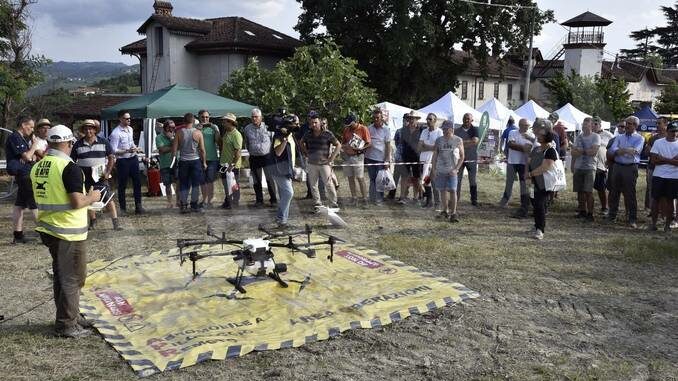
[626,151]
[503,142]
[20,151]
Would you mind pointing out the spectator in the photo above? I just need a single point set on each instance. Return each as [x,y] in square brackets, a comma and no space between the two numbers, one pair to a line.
[166,161]
[503,142]
[94,156]
[41,138]
[212,138]
[283,170]
[316,146]
[378,152]
[662,122]
[409,141]
[519,145]
[354,141]
[626,151]
[192,163]
[127,162]
[600,182]
[231,159]
[563,141]
[398,170]
[258,143]
[664,155]
[585,153]
[542,159]
[298,135]
[448,157]
[427,144]
[20,151]
[471,137]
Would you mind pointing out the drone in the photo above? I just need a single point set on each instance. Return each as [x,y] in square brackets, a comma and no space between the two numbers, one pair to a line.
[254,256]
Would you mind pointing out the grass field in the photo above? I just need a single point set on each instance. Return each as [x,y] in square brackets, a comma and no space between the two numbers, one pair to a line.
[594,301]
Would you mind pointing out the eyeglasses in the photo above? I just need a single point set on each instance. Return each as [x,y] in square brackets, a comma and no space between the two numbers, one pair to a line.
[430,119]
[126,118]
[205,116]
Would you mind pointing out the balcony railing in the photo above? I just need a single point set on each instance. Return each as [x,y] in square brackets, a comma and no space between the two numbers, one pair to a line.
[585,38]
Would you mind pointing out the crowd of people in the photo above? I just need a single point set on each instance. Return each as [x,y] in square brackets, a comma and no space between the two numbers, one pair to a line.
[60,177]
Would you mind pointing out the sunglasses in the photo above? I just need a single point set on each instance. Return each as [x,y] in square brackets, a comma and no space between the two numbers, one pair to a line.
[127,118]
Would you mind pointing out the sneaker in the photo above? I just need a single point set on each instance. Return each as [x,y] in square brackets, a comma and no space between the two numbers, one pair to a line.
[474,203]
[580,214]
[116,224]
[225,206]
[603,211]
[184,209]
[199,209]
[442,215]
[139,211]
[589,218]
[75,332]
[22,239]
[282,225]
[503,203]
[651,227]
[92,224]
[84,323]
[674,225]
[274,202]
[519,215]
[633,225]
[538,235]
[402,201]
[667,228]
[317,204]
[454,218]
[259,204]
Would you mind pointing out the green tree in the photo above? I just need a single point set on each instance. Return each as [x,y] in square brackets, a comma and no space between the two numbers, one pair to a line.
[317,77]
[47,105]
[667,102]
[19,70]
[662,40]
[607,98]
[406,47]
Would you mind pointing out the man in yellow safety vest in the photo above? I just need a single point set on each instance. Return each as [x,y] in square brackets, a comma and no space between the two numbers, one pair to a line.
[59,190]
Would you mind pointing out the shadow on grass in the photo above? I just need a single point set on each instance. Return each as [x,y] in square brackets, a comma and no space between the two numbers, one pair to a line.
[648,250]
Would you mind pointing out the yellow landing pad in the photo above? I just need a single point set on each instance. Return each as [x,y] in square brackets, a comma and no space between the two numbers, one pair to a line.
[152,312]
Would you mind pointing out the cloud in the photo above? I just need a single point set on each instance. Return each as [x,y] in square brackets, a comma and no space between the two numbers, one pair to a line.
[70,16]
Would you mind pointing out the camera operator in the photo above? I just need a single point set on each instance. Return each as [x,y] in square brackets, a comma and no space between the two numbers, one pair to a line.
[258,143]
[284,149]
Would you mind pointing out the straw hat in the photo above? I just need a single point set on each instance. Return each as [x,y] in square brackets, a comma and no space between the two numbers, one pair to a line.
[44,122]
[90,122]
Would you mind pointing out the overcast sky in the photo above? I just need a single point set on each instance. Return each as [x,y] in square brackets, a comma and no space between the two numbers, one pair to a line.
[94,30]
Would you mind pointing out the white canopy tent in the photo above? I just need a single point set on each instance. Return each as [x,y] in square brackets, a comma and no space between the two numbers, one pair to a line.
[450,107]
[531,111]
[499,112]
[572,117]
[395,115]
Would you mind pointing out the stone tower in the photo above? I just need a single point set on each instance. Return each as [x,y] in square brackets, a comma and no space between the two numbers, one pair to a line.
[585,43]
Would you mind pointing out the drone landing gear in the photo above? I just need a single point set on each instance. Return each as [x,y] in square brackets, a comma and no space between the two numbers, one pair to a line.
[276,277]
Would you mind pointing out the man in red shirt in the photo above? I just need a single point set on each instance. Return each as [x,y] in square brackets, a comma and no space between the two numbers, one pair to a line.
[354,141]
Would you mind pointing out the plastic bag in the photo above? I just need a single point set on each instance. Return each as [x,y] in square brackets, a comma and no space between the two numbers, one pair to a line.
[554,178]
[385,182]
[231,183]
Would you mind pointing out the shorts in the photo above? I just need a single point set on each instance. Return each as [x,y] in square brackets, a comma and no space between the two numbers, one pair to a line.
[89,181]
[211,172]
[168,176]
[24,194]
[582,180]
[356,167]
[664,188]
[413,170]
[445,182]
[600,182]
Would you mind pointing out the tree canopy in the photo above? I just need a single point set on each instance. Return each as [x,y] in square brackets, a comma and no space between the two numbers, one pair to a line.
[659,42]
[607,98]
[317,77]
[405,46]
[667,102]
[19,70]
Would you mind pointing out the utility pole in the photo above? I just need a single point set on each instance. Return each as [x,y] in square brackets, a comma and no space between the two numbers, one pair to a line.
[526,95]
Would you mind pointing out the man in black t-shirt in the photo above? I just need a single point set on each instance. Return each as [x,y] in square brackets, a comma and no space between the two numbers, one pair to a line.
[20,149]
[471,137]
[315,146]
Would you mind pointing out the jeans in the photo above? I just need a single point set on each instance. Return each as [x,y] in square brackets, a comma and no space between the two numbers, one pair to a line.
[286,191]
[372,171]
[190,176]
[69,264]
[539,205]
[323,174]
[472,171]
[259,164]
[510,179]
[127,168]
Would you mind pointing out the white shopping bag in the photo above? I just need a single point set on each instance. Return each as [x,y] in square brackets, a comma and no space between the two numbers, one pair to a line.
[385,181]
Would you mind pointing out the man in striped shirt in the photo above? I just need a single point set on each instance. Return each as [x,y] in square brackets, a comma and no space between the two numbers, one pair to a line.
[92,152]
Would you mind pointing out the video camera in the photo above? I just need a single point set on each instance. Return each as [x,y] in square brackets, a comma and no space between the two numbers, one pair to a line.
[281,122]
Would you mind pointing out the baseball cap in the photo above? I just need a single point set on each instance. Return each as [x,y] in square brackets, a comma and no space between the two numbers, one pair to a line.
[447,124]
[673,126]
[313,114]
[59,134]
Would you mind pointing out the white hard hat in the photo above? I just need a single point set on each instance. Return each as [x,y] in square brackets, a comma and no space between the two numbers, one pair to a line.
[60,133]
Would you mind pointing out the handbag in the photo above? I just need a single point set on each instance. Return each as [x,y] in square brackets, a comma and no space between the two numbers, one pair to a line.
[554,178]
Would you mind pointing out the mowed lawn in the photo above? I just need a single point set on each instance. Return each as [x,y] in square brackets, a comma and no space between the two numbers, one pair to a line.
[592,301]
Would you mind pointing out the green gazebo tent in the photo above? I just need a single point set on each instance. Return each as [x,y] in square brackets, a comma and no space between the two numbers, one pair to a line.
[172,101]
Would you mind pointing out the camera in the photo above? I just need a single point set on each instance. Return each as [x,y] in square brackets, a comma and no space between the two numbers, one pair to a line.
[281,122]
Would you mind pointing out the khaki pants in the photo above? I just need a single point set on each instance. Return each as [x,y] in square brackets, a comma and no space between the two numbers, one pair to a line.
[324,173]
[69,263]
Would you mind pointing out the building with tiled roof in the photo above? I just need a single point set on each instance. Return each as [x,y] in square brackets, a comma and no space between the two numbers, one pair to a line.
[202,53]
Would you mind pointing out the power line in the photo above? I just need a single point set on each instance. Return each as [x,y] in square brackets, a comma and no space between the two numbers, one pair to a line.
[488,3]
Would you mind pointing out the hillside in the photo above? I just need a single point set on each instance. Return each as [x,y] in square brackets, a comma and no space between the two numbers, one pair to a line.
[70,75]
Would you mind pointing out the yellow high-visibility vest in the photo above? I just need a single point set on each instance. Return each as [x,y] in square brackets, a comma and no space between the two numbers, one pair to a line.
[56,217]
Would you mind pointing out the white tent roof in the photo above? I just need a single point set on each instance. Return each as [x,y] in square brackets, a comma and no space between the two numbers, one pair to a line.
[531,111]
[395,115]
[498,111]
[571,117]
[450,107]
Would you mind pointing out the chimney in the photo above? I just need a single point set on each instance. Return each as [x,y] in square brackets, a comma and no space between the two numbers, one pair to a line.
[163,8]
